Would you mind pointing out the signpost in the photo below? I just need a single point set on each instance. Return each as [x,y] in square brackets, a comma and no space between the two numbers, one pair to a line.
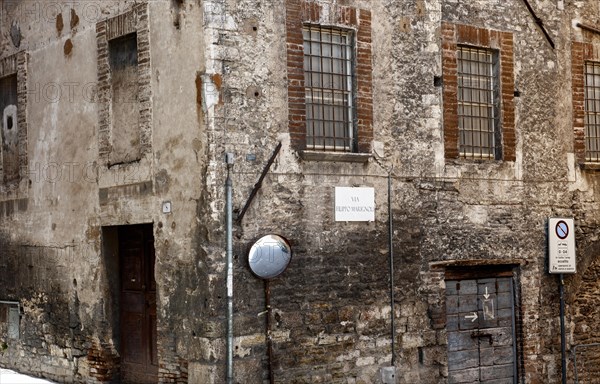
[561,260]
[561,246]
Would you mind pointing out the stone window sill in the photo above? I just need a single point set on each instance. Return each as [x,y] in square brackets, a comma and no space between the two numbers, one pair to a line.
[344,157]
[588,166]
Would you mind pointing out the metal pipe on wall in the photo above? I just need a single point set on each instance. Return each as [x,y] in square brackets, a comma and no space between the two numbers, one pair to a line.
[588,28]
[229,251]
[268,330]
[9,302]
[391,251]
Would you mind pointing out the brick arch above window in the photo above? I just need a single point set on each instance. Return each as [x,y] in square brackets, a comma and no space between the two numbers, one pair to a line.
[499,44]
[301,14]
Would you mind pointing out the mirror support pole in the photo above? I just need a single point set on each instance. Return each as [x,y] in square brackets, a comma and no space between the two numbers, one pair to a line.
[268,326]
[563,342]
[391,252]
[229,251]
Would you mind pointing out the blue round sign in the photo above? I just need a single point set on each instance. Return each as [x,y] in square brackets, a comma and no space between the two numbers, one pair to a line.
[562,230]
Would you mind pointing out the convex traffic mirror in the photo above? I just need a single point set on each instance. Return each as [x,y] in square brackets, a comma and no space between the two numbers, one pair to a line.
[269,256]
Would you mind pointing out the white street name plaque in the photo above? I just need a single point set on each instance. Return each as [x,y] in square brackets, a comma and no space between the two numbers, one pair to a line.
[354,204]
[561,246]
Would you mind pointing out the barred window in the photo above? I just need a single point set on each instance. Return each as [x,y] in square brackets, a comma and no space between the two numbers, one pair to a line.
[478,103]
[328,63]
[592,112]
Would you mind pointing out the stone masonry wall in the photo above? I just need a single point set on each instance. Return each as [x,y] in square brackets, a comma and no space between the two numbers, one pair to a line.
[218,80]
[331,307]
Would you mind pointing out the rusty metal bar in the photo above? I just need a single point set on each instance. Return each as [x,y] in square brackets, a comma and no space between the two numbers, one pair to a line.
[258,184]
[588,28]
[8,302]
[575,357]
[268,331]
[539,22]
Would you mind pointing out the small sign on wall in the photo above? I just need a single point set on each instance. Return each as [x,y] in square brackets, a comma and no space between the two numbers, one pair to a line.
[561,245]
[354,204]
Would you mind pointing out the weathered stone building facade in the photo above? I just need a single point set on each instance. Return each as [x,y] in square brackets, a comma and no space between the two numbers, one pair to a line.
[116,119]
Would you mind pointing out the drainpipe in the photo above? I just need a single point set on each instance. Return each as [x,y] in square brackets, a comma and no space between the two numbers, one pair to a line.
[229,235]
[391,255]
[388,374]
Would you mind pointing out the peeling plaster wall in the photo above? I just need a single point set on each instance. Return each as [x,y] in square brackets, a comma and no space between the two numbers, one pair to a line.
[219,84]
[52,259]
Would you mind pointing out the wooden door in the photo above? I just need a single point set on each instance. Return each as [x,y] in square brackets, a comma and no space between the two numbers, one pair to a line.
[481,331]
[139,363]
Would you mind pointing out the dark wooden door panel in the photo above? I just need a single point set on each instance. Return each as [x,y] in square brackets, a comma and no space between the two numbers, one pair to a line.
[132,270]
[480,322]
[139,360]
[132,351]
[133,302]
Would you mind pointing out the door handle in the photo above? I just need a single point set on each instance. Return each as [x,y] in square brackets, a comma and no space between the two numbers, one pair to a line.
[480,335]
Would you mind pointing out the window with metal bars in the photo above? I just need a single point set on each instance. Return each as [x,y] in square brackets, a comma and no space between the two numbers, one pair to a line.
[592,111]
[478,103]
[329,89]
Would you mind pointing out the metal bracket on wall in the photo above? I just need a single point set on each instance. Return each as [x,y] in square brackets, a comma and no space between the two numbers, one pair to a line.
[539,22]
[258,184]
[589,28]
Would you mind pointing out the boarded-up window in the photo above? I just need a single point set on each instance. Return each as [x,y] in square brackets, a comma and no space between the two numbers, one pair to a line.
[125,109]
[10,128]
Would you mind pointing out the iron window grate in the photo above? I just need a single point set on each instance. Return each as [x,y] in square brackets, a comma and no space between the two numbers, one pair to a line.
[328,61]
[478,103]
[592,112]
